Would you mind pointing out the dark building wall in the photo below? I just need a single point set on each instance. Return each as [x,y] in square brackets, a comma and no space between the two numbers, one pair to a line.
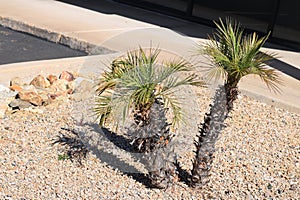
[281,17]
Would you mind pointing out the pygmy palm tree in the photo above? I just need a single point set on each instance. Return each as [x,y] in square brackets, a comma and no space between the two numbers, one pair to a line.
[137,81]
[233,55]
[138,85]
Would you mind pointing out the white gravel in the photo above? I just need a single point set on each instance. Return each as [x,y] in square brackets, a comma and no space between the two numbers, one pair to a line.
[257,157]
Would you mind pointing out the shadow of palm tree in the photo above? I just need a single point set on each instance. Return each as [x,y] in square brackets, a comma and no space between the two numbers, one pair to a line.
[118,140]
[124,143]
[77,148]
[74,148]
[184,175]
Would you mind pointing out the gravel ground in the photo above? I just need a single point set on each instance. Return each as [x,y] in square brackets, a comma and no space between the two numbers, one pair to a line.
[257,156]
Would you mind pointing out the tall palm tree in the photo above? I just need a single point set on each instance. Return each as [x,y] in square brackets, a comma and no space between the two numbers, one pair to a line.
[137,85]
[233,55]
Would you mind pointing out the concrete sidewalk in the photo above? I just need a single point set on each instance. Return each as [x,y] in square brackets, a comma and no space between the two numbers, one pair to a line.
[85,29]
[105,33]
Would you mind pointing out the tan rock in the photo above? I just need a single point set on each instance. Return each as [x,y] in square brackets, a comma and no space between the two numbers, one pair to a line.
[46,94]
[71,87]
[52,78]
[65,75]
[61,85]
[29,87]
[19,104]
[75,74]
[45,98]
[16,81]
[31,96]
[81,85]
[16,88]
[40,81]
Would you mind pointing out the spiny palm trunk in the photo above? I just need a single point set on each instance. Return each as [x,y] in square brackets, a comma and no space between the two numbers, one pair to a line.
[209,133]
[151,136]
[160,166]
[232,91]
[151,129]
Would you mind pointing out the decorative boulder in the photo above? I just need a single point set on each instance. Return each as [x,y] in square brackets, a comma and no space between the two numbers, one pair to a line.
[16,81]
[51,78]
[19,104]
[40,81]
[65,75]
[31,96]
[17,88]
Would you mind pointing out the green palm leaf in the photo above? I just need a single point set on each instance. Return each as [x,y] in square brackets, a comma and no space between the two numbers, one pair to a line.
[139,81]
[236,55]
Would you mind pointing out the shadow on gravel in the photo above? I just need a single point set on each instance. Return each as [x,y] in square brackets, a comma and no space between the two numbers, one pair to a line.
[77,150]
[124,143]
[113,161]
[74,147]
[118,140]
[184,175]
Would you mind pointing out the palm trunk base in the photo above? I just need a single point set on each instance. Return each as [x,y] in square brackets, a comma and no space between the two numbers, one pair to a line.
[152,137]
[164,177]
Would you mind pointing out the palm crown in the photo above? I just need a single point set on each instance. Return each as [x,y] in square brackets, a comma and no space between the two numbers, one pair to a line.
[137,80]
[236,55]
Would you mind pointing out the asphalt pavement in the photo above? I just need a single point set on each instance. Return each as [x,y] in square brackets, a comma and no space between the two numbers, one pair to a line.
[20,47]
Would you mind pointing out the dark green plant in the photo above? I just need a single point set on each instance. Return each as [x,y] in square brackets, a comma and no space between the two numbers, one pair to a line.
[137,85]
[71,146]
[233,55]
[63,157]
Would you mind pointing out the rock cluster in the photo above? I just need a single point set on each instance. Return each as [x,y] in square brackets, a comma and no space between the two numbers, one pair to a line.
[40,91]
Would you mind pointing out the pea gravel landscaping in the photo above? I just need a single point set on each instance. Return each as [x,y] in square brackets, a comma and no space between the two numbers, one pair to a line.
[257,156]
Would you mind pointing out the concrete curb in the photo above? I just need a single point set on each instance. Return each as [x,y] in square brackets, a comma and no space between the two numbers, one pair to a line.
[271,101]
[52,36]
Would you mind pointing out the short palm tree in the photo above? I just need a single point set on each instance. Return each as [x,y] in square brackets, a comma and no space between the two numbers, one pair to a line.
[233,55]
[137,85]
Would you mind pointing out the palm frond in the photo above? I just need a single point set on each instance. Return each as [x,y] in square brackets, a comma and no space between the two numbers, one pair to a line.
[180,65]
[217,73]
[105,85]
[269,76]
[141,57]
[120,105]
[235,55]
[102,108]
[175,105]
[174,82]
[251,51]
